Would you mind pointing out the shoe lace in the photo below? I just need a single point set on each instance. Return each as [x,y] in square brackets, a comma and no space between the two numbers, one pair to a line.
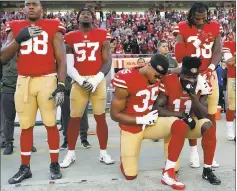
[211,174]
[21,169]
[55,167]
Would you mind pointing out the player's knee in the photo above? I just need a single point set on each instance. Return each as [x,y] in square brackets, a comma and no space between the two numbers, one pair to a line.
[128,177]
[207,125]
[179,127]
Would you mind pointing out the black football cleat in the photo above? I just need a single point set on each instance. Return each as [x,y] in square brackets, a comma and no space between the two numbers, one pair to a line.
[23,173]
[55,171]
[209,176]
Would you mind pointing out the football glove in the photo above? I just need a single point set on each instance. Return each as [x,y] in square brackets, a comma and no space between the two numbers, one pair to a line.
[148,119]
[58,94]
[207,74]
[28,33]
[188,120]
[203,87]
[88,86]
[96,80]
[189,88]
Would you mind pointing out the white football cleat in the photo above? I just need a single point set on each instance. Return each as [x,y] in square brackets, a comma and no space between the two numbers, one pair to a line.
[106,158]
[230,135]
[169,178]
[215,164]
[68,160]
[194,160]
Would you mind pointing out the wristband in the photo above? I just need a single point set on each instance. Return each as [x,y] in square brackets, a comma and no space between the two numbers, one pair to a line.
[61,83]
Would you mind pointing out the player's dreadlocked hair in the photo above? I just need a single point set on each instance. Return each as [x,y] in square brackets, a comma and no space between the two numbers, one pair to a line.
[85,9]
[200,8]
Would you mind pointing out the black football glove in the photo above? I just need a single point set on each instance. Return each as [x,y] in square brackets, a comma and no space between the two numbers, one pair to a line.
[28,33]
[189,88]
[189,120]
[88,86]
[58,94]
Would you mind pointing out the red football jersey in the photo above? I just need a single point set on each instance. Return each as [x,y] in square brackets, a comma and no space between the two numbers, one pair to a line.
[87,48]
[230,46]
[191,34]
[36,56]
[141,95]
[178,100]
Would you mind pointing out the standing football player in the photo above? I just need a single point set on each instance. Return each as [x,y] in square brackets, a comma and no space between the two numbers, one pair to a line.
[88,62]
[200,37]
[38,43]
[229,50]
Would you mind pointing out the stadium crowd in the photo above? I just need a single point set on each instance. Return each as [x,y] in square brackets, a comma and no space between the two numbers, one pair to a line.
[135,33]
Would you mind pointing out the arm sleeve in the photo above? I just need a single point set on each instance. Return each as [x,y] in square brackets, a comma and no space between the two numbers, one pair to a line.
[119,81]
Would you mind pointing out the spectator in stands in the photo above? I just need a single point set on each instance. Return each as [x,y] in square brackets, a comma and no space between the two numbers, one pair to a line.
[163,49]
[141,62]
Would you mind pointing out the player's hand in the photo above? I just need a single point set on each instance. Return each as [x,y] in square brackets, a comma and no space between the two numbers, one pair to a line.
[189,88]
[80,80]
[96,80]
[88,86]
[148,119]
[28,33]
[58,94]
[207,74]
[203,86]
[231,61]
[189,120]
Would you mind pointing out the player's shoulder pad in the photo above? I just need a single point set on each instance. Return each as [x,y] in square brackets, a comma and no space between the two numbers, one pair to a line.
[216,25]
[103,32]
[122,78]
[57,24]
[168,81]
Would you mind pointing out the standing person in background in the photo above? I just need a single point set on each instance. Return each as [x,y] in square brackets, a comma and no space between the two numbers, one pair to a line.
[229,54]
[65,113]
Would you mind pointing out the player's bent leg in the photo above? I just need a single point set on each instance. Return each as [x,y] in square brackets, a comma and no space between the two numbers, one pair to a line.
[178,133]
[209,146]
[78,100]
[162,129]
[130,146]
[98,101]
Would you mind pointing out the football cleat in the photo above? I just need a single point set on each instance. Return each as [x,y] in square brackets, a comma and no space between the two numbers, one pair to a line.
[170,178]
[106,158]
[55,171]
[68,160]
[194,160]
[208,175]
[23,173]
[214,164]
[85,144]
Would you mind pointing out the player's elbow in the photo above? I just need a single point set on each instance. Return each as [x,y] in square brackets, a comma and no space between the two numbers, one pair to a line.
[113,115]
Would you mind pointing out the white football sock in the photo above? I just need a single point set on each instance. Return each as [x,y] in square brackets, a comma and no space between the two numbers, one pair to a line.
[169,164]
[194,149]
[207,166]
[103,152]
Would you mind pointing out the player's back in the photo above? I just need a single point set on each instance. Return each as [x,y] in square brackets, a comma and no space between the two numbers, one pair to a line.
[87,48]
[178,100]
[36,55]
[141,94]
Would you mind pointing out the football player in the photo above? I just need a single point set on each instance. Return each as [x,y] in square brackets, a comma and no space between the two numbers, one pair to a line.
[182,107]
[38,42]
[136,90]
[229,50]
[89,61]
[201,37]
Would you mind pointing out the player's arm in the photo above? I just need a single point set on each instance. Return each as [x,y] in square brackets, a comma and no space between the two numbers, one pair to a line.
[106,65]
[71,70]
[199,106]
[160,105]
[106,58]
[118,105]
[231,61]
[217,52]
[9,49]
[60,56]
